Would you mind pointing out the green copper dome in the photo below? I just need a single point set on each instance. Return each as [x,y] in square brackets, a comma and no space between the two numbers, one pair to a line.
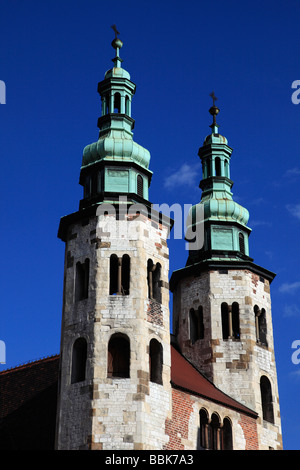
[222,220]
[116,146]
[115,165]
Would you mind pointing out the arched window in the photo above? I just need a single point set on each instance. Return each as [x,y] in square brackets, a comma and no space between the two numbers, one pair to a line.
[107,104]
[227,435]
[215,432]
[230,320]
[118,360]
[127,105]
[226,168]
[125,275]
[225,320]
[196,324]
[242,243]
[261,325]
[119,277]
[218,166]
[235,320]
[155,361]
[113,275]
[154,281]
[82,280]
[140,186]
[79,355]
[117,103]
[204,437]
[266,399]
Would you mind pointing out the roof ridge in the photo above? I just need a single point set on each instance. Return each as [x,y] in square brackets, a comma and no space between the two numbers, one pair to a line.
[28,363]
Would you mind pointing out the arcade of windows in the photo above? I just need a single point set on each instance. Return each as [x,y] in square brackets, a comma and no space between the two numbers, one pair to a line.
[119,278]
[118,359]
[230,318]
[213,433]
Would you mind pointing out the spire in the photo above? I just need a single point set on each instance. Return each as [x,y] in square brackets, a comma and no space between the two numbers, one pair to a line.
[115,164]
[214,111]
[225,221]
[117,44]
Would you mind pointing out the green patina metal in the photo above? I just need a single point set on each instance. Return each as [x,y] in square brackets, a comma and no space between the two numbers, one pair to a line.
[226,234]
[115,163]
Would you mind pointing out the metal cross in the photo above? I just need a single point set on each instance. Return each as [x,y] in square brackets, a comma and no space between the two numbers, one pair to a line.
[214,98]
[115,30]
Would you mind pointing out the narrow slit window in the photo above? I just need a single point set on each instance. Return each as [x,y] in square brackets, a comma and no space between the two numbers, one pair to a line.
[113,275]
[127,105]
[235,320]
[117,103]
[266,399]
[218,166]
[227,435]
[155,361]
[79,356]
[140,186]
[82,280]
[225,320]
[242,243]
[154,281]
[119,277]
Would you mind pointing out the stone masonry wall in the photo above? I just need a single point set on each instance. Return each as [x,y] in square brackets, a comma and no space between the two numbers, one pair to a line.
[234,365]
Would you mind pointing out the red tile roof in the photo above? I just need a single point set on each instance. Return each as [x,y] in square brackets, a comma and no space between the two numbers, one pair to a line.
[186,377]
[22,383]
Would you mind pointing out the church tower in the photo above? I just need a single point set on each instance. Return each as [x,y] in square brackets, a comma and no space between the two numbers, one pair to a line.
[221,299]
[114,390]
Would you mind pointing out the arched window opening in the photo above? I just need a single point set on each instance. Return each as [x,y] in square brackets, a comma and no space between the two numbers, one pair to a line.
[156,361]
[117,103]
[196,324]
[218,166]
[125,275]
[82,280]
[118,359]
[107,107]
[226,168]
[260,325]
[227,435]
[113,275]
[215,433]
[266,399]
[140,186]
[127,105]
[154,281]
[204,434]
[119,280]
[235,320]
[242,243]
[230,321]
[79,356]
[225,320]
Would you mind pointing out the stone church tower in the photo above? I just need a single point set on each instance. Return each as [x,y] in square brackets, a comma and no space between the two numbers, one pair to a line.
[115,390]
[221,300]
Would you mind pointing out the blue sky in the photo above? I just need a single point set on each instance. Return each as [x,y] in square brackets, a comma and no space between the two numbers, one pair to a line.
[53,54]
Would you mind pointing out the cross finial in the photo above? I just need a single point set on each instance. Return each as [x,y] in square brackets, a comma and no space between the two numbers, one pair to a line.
[214,111]
[214,98]
[115,30]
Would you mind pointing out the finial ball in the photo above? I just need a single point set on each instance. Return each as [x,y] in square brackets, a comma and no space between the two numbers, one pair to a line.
[117,43]
[214,110]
